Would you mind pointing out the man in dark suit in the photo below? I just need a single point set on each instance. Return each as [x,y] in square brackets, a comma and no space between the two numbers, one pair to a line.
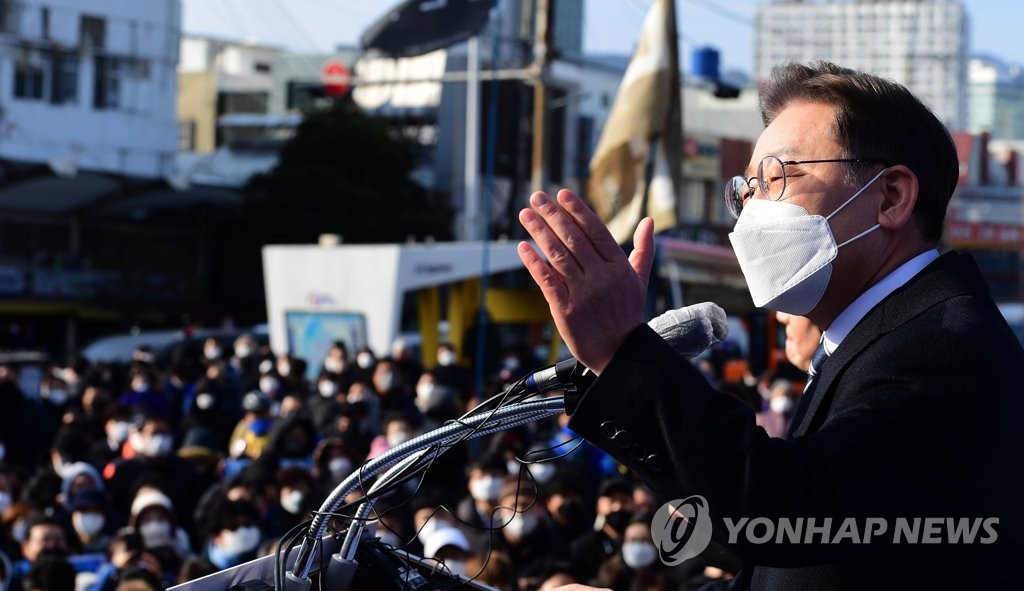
[911,411]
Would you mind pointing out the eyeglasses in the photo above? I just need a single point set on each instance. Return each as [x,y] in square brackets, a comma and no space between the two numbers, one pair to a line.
[771,179]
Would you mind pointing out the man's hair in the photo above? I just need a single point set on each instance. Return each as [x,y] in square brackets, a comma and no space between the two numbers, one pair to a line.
[875,118]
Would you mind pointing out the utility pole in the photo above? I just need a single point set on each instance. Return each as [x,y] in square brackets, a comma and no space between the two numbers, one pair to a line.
[541,56]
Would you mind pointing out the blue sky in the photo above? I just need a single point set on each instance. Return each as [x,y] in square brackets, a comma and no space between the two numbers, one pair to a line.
[611,25]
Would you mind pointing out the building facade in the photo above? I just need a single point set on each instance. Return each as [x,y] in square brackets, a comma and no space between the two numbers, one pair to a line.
[995,100]
[89,84]
[920,43]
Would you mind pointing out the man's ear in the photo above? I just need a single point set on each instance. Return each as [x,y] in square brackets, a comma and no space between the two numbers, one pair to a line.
[899,195]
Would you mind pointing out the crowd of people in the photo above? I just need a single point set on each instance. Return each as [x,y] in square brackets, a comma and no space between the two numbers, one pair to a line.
[162,471]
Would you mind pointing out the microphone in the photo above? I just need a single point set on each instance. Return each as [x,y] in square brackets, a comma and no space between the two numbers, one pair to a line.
[689,330]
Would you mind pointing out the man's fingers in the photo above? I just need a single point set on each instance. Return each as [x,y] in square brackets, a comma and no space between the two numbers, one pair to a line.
[551,285]
[569,233]
[642,256]
[538,224]
[597,233]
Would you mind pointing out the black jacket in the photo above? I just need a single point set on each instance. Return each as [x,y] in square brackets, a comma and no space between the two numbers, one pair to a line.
[913,416]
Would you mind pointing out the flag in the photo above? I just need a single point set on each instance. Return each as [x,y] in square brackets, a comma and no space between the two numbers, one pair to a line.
[636,167]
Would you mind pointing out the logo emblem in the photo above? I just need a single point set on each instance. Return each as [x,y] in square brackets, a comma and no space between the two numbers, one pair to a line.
[682,529]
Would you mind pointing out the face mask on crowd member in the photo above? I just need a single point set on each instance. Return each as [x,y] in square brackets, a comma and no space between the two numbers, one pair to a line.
[519,514]
[397,432]
[638,550]
[154,439]
[446,356]
[212,350]
[614,506]
[88,514]
[365,359]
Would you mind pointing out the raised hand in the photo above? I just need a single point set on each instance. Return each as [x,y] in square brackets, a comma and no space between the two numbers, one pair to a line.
[596,294]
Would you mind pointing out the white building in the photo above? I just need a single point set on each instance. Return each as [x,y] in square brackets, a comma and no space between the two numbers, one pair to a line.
[89,84]
[995,101]
[919,43]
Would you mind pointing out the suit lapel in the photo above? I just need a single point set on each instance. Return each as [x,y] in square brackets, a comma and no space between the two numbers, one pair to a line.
[950,275]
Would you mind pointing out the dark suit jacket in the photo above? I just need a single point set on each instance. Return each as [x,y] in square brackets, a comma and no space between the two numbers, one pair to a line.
[914,415]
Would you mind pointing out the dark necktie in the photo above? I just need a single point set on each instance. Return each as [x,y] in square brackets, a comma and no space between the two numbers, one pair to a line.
[805,401]
[817,359]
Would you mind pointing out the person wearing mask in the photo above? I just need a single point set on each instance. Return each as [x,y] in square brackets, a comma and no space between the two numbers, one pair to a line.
[527,532]
[153,516]
[840,214]
[782,400]
[339,367]
[294,500]
[366,360]
[88,520]
[333,462]
[565,497]
[449,373]
[395,430]
[636,565]
[393,394]
[142,395]
[234,534]
[486,475]
[116,426]
[614,508]
[252,433]
[152,438]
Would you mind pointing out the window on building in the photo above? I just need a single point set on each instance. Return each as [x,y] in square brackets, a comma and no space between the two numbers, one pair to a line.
[93,32]
[262,67]
[30,68]
[8,17]
[107,82]
[44,18]
[65,78]
[187,136]
[301,96]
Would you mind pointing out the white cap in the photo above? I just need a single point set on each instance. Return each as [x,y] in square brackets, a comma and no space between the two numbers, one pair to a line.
[444,536]
[151,498]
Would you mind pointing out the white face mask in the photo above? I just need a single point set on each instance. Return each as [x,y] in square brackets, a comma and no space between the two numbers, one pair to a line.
[241,540]
[334,365]
[268,385]
[457,567]
[292,501]
[781,404]
[786,254]
[485,488]
[445,358]
[364,360]
[428,396]
[397,438]
[204,401]
[521,525]
[155,446]
[327,388]
[243,351]
[638,554]
[5,500]
[156,533]
[88,524]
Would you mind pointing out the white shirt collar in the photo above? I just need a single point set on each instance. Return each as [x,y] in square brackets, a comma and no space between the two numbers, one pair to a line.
[860,307]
